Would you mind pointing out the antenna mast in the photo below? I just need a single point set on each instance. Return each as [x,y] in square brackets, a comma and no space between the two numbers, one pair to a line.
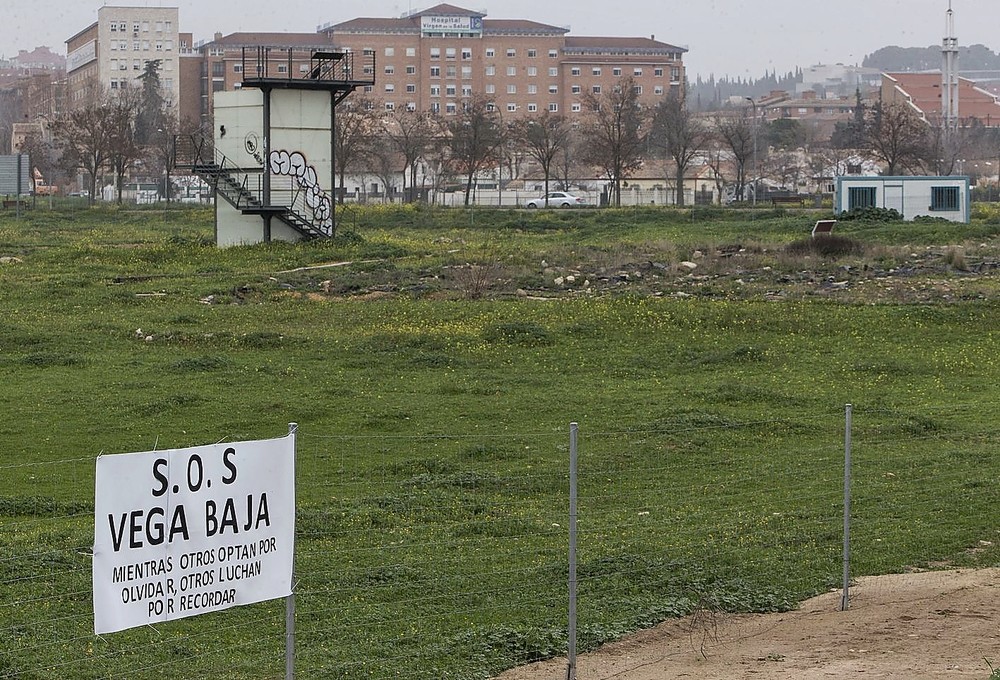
[949,74]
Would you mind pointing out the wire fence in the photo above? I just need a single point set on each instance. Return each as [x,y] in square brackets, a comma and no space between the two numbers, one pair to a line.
[448,555]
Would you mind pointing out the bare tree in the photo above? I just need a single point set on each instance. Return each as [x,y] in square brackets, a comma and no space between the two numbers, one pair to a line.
[162,150]
[544,139]
[568,159]
[736,132]
[410,133]
[10,113]
[678,136]
[613,132]
[384,161]
[784,168]
[716,163]
[85,137]
[945,149]
[506,154]
[352,132]
[896,136]
[473,139]
[439,171]
[124,148]
[830,163]
[987,142]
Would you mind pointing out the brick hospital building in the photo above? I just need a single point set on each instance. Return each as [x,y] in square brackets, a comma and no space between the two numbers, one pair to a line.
[434,60]
[438,58]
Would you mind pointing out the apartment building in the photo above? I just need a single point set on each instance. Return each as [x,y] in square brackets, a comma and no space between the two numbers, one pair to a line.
[440,57]
[114,51]
[817,114]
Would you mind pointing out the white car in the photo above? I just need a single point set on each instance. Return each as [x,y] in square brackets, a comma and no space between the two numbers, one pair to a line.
[557,199]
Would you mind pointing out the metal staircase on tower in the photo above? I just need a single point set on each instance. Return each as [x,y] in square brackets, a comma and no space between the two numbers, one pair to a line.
[254,190]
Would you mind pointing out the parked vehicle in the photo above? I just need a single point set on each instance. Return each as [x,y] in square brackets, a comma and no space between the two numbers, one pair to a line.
[556,199]
[42,188]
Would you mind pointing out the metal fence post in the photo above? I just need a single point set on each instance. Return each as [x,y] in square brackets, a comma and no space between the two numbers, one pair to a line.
[290,599]
[571,643]
[844,599]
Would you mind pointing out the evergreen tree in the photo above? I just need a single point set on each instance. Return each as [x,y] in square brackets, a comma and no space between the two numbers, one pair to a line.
[150,119]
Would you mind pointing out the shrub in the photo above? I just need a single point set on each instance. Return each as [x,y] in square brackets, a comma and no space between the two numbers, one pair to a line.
[826,246]
[955,258]
[475,279]
[987,212]
[870,214]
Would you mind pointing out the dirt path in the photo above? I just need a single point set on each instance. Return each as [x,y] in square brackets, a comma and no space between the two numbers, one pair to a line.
[923,625]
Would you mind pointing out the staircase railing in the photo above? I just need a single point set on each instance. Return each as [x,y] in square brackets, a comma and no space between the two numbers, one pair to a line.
[309,211]
[242,187]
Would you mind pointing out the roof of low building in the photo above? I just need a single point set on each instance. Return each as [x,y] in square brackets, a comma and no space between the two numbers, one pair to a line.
[618,43]
[444,9]
[410,23]
[370,24]
[271,40]
[520,26]
[924,93]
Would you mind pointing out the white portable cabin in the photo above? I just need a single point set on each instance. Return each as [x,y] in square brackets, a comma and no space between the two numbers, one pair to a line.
[917,196]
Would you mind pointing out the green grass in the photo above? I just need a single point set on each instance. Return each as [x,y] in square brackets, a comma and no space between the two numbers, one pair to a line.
[433,431]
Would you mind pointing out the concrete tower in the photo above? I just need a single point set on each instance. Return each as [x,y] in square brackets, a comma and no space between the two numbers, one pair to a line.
[949,74]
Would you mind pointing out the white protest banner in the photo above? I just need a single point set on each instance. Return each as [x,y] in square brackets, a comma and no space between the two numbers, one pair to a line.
[187,531]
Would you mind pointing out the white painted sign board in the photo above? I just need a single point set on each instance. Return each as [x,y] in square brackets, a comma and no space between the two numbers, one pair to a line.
[184,532]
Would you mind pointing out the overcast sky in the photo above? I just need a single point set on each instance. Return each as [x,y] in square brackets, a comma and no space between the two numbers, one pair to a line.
[741,38]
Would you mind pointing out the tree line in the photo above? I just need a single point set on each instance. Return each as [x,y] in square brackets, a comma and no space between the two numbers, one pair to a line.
[121,133]
[615,136]
[611,139]
[129,132]
[970,58]
[904,144]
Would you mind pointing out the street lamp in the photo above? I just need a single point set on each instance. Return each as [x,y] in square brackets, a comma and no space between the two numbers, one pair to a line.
[754,136]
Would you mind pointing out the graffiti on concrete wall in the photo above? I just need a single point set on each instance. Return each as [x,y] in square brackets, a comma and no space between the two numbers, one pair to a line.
[294,164]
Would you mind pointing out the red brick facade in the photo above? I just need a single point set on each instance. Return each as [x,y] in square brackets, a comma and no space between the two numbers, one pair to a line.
[442,56]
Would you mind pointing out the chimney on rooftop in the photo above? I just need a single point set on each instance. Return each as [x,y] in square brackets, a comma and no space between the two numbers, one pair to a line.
[218,36]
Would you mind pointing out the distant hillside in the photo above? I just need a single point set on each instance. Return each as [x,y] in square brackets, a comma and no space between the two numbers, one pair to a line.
[972,58]
[710,93]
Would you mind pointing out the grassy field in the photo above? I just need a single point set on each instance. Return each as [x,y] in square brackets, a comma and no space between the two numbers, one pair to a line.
[434,360]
